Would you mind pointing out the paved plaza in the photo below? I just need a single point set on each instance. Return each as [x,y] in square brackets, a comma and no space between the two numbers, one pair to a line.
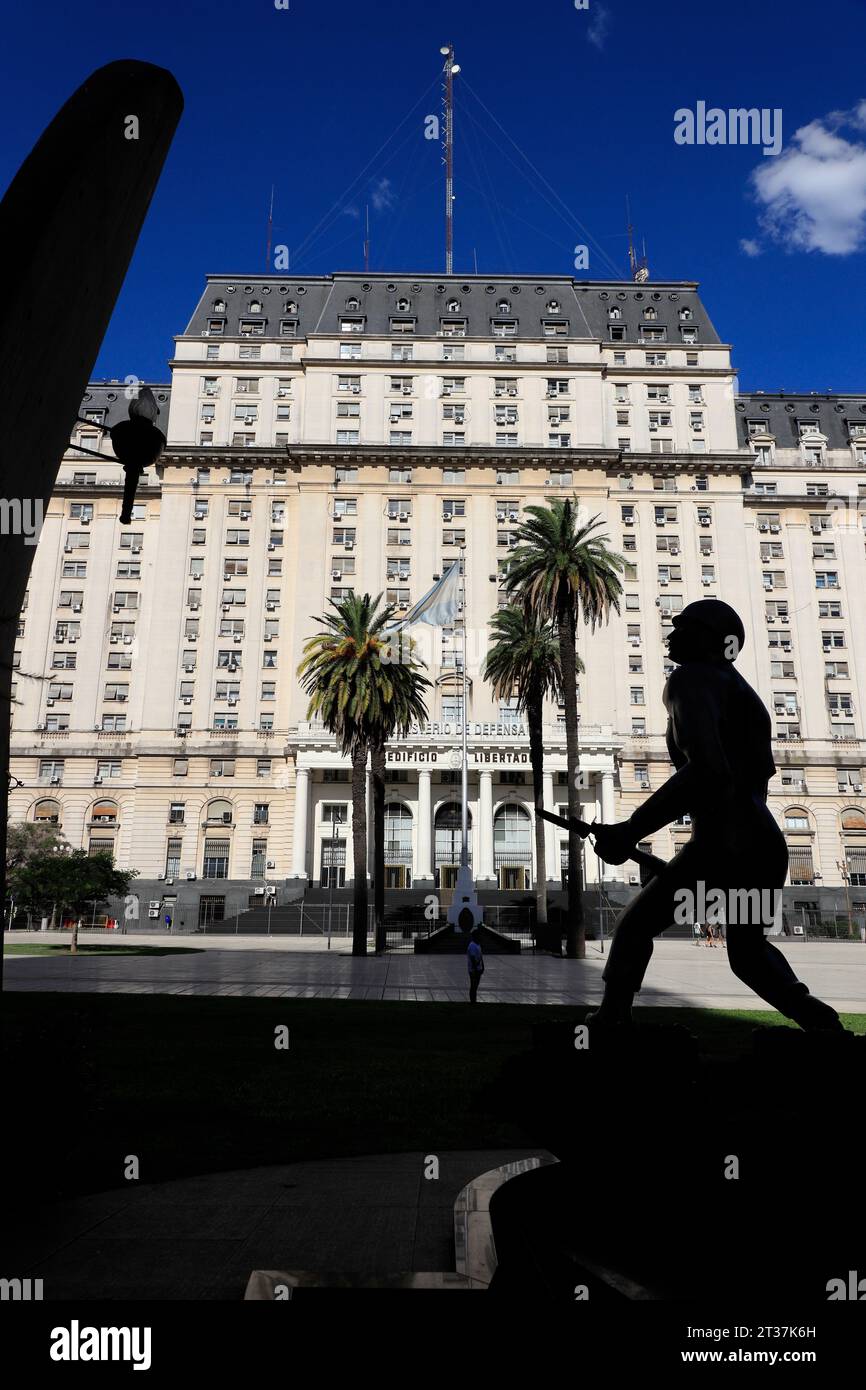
[681,974]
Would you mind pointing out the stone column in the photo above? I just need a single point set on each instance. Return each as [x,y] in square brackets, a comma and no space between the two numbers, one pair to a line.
[485,869]
[424,864]
[610,872]
[551,834]
[302,802]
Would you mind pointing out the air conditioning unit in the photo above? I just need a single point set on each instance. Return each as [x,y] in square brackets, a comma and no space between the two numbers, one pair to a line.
[763,526]
[114,639]
[349,545]
[188,669]
[674,550]
[232,700]
[664,583]
[191,637]
[771,617]
[68,549]
[76,607]
[271,546]
[634,878]
[55,781]
[706,582]
[226,607]
[195,605]
[634,641]
[85,520]
[628,521]
[270,865]
[644,786]
[190,877]
[237,637]
[705,521]
[49,702]
[258,892]
[775,529]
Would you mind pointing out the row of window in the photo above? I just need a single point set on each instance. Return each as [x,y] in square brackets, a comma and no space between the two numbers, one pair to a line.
[451,352]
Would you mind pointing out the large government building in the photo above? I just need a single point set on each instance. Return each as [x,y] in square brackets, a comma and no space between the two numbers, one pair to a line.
[359,433]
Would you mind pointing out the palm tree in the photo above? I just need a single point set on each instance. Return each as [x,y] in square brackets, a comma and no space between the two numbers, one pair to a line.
[524,657]
[562,569]
[404,706]
[362,697]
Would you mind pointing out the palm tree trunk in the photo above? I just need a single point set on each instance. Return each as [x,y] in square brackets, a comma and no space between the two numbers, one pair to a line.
[377,764]
[534,717]
[359,848]
[576,931]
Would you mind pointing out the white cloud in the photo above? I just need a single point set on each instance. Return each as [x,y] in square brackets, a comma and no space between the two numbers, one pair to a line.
[750,247]
[382,196]
[813,194]
[599,23]
[351,211]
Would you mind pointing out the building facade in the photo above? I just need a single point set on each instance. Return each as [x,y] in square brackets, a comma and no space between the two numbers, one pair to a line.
[360,433]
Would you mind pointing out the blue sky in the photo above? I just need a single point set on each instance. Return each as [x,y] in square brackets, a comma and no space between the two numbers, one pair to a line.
[306,99]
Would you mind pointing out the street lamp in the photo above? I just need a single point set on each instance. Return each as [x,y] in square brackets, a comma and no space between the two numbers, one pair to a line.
[136,442]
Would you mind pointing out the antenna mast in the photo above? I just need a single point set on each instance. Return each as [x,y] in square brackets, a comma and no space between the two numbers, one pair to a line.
[451,70]
[367,242]
[270,233]
[639,266]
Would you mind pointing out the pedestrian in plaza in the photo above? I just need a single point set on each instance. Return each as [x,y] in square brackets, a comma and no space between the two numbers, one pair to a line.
[475,962]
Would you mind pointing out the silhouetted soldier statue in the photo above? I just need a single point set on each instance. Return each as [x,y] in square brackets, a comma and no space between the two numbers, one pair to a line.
[718,739]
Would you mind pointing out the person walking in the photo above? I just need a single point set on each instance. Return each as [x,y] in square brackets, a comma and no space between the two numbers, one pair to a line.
[475,962]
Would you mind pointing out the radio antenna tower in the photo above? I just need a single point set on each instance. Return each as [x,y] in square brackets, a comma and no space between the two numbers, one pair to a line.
[450,70]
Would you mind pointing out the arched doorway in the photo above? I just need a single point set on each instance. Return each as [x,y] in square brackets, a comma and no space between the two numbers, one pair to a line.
[398,845]
[512,848]
[447,843]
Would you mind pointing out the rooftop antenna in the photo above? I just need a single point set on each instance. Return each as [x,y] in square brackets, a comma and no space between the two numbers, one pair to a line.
[367,242]
[475,258]
[270,232]
[451,69]
[638,266]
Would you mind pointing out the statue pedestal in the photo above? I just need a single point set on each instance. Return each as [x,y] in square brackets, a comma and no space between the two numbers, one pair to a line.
[465,899]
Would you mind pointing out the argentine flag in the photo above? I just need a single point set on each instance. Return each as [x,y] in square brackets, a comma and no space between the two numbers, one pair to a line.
[438,608]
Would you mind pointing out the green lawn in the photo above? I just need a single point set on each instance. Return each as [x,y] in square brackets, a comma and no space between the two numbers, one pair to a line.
[194,1085]
[38,948]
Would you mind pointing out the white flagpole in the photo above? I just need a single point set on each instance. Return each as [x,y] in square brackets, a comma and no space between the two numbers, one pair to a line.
[464,809]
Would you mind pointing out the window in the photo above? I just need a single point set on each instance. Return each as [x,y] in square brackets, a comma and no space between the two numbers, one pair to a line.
[258,860]
[216,859]
[402,352]
[453,352]
[260,813]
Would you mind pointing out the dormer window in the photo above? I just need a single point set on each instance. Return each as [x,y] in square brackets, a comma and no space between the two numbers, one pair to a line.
[353,304]
[255,306]
[553,306]
[291,306]
[503,307]
[403,306]
[219,306]
[614,313]
[454,306]
[650,312]
[685,314]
